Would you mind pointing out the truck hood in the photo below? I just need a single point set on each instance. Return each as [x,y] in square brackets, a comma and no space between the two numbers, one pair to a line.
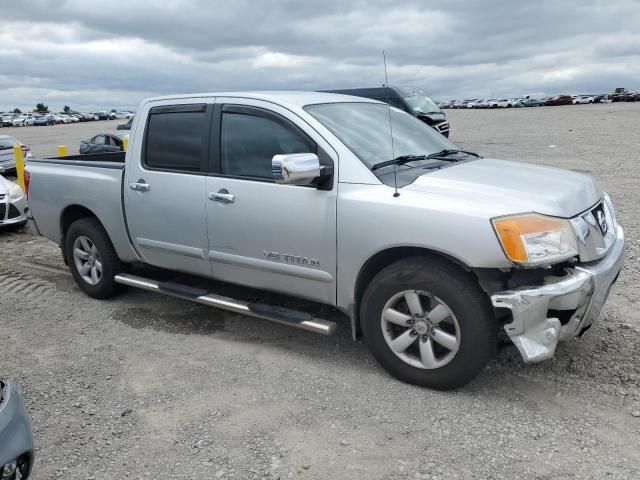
[511,187]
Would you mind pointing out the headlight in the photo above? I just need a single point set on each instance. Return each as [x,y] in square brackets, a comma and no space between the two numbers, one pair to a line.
[15,191]
[609,204]
[531,239]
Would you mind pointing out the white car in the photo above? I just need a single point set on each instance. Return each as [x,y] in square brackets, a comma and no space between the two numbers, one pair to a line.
[12,204]
[28,119]
[6,120]
[7,159]
[584,99]
[500,103]
[18,121]
[479,103]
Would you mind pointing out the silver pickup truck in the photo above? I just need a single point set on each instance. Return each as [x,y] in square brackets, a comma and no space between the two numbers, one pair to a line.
[431,252]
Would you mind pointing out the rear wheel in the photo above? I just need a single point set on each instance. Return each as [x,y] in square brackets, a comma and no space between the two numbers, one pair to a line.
[428,323]
[92,259]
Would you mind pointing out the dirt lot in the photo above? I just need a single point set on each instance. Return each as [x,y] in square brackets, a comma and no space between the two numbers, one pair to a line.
[145,386]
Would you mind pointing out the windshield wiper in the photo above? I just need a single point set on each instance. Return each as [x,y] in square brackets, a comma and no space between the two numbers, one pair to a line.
[401,160]
[441,155]
[447,152]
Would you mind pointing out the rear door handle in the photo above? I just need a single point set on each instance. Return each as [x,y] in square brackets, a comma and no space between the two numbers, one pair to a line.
[222,196]
[140,186]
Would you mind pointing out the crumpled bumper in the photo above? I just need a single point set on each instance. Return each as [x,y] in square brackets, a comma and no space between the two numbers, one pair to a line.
[582,293]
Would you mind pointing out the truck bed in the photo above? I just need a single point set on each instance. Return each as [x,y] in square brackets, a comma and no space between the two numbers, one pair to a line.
[61,186]
[90,159]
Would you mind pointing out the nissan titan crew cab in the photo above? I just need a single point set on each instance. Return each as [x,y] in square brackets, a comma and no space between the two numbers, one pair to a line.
[428,250]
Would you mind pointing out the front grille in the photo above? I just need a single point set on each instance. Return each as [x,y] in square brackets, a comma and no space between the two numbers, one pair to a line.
[3,211]
[443,127]
[595,231]
[13,212]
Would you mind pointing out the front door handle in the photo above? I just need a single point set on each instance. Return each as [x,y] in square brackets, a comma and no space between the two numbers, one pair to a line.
[222,196]
[140,186]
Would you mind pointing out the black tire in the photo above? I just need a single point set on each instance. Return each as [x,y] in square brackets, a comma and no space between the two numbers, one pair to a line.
[460,292]
[111,265]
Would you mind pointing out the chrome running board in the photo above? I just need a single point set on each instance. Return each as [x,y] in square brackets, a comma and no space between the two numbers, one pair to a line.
[273,313]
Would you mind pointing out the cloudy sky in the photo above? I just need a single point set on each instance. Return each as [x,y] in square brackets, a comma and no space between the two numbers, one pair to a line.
[102,54]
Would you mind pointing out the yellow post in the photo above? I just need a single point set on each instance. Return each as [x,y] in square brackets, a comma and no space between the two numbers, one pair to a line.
[125,143]
[62,151]
[17,153]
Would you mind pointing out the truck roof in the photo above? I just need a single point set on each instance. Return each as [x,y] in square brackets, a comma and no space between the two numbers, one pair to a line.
[292,98]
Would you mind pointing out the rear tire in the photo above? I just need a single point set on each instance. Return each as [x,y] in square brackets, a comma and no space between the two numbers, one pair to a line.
[92,259]
[450,330]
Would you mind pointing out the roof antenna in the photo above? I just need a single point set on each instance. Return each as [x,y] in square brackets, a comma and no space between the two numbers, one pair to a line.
[393,154]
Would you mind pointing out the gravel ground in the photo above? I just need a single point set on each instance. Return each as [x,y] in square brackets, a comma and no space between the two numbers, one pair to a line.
[146,386]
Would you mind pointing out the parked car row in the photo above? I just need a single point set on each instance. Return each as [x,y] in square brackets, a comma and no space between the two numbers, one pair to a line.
[526,101]
[619,95]
[623,95]
[38,119]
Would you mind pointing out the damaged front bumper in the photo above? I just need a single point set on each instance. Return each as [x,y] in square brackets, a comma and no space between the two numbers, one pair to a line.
[579,296]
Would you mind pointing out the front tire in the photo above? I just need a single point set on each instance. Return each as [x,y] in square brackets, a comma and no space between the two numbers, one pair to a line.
[428,323]
[92,259]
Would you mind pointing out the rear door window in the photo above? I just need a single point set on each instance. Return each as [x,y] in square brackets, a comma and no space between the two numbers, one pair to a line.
[177,138]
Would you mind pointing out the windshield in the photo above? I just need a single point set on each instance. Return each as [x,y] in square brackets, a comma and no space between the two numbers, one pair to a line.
[422,104]
[364,129]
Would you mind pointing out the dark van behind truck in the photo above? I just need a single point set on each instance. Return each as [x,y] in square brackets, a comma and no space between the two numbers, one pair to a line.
[412,100]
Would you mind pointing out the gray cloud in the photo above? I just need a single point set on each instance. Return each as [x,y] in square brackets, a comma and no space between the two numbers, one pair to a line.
[101,54]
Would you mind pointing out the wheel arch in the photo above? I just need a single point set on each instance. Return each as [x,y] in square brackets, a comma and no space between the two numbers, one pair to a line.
[380,260]
[70,214]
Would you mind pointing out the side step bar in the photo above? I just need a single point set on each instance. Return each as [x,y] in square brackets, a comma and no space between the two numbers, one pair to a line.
[285,316]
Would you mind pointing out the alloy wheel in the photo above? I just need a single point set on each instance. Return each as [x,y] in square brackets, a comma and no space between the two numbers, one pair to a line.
[420,329]
[87,260]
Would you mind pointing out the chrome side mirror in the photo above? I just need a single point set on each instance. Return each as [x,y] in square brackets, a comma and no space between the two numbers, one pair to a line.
[296,168]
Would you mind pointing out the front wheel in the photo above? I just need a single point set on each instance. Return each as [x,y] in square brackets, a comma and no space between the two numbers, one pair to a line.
[428,323]
[92,259]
